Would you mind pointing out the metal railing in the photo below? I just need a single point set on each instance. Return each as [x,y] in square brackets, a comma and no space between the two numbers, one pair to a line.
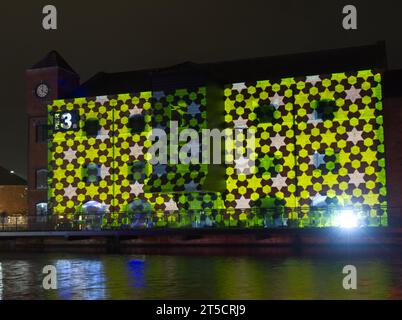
[284,217]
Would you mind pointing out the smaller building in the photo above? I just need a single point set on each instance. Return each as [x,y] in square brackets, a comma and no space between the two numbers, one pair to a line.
[13,194]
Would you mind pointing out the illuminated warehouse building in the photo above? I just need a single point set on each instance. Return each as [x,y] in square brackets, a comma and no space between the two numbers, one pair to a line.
[319,153]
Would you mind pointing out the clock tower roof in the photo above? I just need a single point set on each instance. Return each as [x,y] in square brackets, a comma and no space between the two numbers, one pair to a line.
[53,59]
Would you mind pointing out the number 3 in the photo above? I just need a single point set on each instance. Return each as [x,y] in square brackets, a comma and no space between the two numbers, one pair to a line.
[66,121]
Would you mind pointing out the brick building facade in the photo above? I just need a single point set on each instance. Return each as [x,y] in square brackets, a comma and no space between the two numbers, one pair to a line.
[307,157]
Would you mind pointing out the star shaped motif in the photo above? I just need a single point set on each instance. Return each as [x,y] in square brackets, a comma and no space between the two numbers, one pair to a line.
[329,137]
[242,203]
[106,207]
[277,141]
[279,182]
[104,171]
[266,162]
[353,94]
[330,179]
[317,159]
[70,191]
[195,203]
[371,199]
[137,188]
[240,123]
[171,205]
[102,99]
[231,184]
[255,183]
[313,79]
[136,150]
[356,178]
[241,164]
[318,200]
[191,186]
[193,109]
[69,155]
[369,156]
[92,191]
[135,111]
[103,134]
[355,136]
[276,100]
[158,95]
[304,181]
[239,86]
[301,98]
[314,118]
[159,170]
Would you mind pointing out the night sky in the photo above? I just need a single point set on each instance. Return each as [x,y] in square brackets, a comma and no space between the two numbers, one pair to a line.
[127,35]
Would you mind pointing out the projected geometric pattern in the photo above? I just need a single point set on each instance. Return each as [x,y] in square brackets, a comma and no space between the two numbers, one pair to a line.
[122,158]
[188,108]
[273,176]
[306,157]
[70,152]
[349,148]
[130,148]
[319,144]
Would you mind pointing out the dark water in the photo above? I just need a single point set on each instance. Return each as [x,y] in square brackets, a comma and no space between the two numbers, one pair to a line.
[202,274]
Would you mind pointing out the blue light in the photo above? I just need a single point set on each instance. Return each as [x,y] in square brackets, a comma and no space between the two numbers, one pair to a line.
[136,273]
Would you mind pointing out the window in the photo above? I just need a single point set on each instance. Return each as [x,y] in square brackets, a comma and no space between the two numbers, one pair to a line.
[271,163]
[41,209]
[136,123]
[41,132]
[139,206]
[266,113]
[318,160]
[138,171]
[324,109]
[91,173]
[93,208]
[41,179]
[92,127]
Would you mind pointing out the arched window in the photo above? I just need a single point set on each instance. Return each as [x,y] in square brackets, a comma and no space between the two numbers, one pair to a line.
[91,173]
[138,171]
[324,109]
[266,113]
[139,206]
[136,123]
[93,208]
[41,179]
[41,209]
[93,211]
[41,131]
[92,127]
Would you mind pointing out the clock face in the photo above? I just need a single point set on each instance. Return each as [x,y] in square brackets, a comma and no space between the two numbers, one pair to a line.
[42,90]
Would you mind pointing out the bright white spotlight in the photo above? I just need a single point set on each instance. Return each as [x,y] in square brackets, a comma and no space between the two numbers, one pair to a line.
[347,219]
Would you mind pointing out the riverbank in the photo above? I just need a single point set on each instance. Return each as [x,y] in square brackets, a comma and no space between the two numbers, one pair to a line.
[274,238]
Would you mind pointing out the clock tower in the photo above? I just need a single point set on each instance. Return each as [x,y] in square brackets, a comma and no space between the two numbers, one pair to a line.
[49,79]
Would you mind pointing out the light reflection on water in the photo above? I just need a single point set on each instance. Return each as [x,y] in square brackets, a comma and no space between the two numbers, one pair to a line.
[80,279]
[199,276]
